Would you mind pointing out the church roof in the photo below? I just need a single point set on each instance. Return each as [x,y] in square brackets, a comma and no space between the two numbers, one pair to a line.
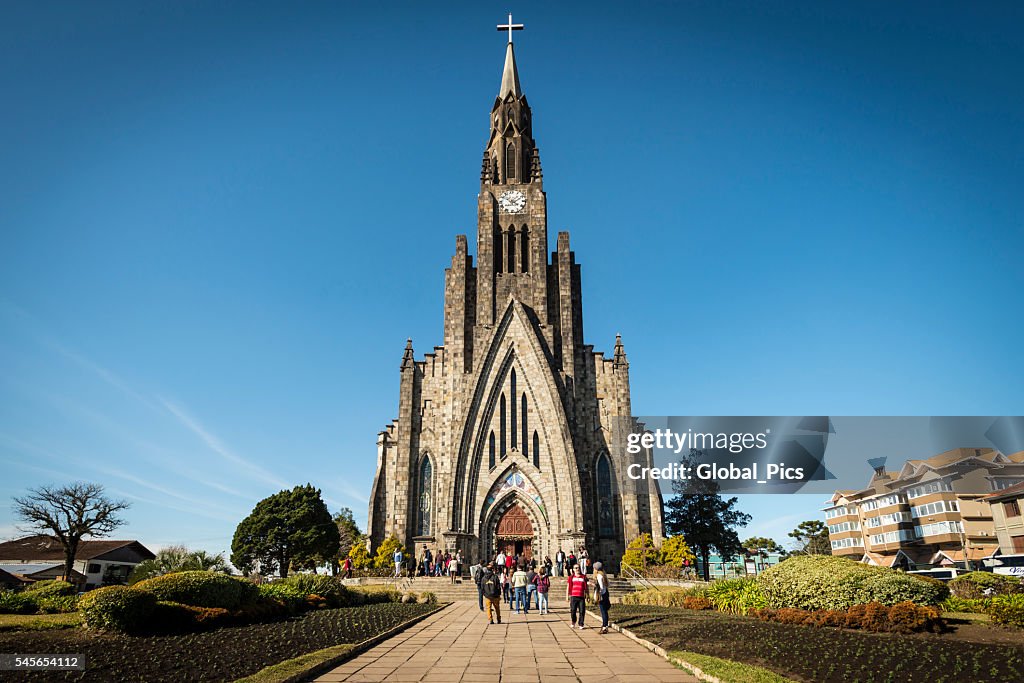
[510,75]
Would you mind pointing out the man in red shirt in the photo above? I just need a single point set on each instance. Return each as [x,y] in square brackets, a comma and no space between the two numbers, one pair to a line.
[576,594]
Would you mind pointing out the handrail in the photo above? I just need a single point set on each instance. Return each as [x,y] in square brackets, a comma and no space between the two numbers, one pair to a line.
[634,575]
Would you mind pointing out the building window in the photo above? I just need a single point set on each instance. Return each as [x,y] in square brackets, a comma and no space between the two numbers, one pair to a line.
[605,516]
[490,454]
[526,433]
[93,568]
[1011,508]
[510,163]
[515,431]
[501,428]
[536,450]
[925,489]
[524,259]
[511,268]
[425,497]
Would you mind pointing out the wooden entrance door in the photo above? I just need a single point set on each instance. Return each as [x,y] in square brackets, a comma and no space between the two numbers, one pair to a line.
[515,532]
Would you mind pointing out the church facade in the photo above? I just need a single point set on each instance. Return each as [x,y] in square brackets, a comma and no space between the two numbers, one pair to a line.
[511,435]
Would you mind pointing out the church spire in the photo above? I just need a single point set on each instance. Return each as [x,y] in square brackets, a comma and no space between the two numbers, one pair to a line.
[408,360]
[510,75]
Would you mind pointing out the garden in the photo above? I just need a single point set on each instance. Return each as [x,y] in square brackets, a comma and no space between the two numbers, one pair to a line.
[830,619]
[200,626]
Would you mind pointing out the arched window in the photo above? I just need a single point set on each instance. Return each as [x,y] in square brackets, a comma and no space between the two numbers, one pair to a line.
[526,446]
[501,428]
[524,245]
[514,432]
[605,516]
[511,268]
[510,162]
[490,452]
[499,258]
[425,497]
[536,450]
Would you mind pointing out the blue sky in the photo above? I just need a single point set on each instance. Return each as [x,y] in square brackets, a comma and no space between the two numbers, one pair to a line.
[220,222]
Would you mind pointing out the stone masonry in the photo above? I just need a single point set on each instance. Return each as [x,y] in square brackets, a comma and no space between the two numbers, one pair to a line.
[514,408]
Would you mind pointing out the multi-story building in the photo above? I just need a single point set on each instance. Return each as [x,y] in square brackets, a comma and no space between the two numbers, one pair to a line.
[931,512]
[1006,507]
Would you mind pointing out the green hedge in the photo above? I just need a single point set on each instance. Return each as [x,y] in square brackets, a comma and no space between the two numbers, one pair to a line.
[201,589]
[328,587]
[737,596]
[118,608]
[972,586]
[17,603]
[51,588]
[1007,609]
[823,582]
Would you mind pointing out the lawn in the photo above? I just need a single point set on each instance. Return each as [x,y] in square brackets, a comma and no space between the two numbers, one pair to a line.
[226,654]
[38,622]
[971,652]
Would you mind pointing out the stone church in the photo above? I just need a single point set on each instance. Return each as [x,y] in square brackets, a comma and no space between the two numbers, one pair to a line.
[512,434]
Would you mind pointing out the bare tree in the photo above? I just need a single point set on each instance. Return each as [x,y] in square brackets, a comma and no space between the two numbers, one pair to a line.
[69,513]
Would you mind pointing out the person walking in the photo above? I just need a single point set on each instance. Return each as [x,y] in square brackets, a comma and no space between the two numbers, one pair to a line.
[499,561]
[601,595]
[576,594]
[584,560]
[531,587]
[458,563]
[346,567]
[476,572]
[570,563]
[453,568]
[506,588]
[543,583]
[519,583]
[510,562]
[398,557]
[490,587]
[559,562]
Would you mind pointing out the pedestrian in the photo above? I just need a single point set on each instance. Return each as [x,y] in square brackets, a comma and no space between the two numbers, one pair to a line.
[519,583]
[499,561]
[398,557]
[601,594]
[585,560]
[458,563]
[531,587]
[477,573]
[453,568]
[506,589]
[559,562]
[347,567]
[490,586]
[510,562]
[543,583]
[570,562]
[576,594]
[533,563]
[547,565]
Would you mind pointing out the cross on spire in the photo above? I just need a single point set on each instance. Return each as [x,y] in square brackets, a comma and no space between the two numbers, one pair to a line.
[510,27]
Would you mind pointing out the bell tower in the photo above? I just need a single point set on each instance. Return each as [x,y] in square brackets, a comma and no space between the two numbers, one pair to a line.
[512,207]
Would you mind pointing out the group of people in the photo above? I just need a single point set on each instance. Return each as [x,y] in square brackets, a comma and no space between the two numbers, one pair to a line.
[439,564]
[522,583]
[567,563]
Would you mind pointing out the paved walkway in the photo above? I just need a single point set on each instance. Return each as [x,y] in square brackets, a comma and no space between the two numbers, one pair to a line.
[456,644]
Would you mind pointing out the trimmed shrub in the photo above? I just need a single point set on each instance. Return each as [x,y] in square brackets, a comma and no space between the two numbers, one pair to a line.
[428,598]
[117,608]
[696,602]
[737,596]
[58,604]
[201,589]
[955,604]
[972,586]
[51,588]
[292,598]
[816,582]
[1008,609]
[372,595]
[328,587]
[667,597]
[904,617]
[17,603]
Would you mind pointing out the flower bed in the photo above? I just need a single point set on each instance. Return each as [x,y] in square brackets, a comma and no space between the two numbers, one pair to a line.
[222,655]
[826,654]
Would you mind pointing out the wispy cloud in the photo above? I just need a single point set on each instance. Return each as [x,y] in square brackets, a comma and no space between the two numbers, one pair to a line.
[217,446]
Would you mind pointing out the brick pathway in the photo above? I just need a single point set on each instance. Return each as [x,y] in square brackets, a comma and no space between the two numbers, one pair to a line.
[456,644]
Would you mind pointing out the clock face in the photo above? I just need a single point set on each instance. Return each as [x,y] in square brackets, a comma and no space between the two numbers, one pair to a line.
[512,201]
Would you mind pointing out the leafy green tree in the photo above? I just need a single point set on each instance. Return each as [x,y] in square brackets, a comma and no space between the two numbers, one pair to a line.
[769,545]
[349,536]
[385,553]
[675,551]
[289,528]
[640,553]
[812,538]
[703,517]
[69,513]
[178,558]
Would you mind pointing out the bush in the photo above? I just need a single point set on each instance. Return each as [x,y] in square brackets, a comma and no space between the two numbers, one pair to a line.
[668,597]
[58,604]
[292,598]
[737,596]
[117,608]
[955,604]
[696,602]
[372,595]
[51,588]
[1008,609]
[328,587]
[428,598]
[972,586]
[174,617]
[904,617]
[201,589]
[816,582]
[17,603]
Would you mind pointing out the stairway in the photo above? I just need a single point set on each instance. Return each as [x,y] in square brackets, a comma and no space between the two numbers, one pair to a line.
[465,589]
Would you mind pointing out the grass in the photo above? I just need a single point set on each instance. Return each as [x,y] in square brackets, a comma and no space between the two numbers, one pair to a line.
[293,667]
[726,670]
[38,622]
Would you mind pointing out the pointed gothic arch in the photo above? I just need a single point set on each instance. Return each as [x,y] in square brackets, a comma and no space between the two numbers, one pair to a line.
[424,496]
[513,432]
[510,162]
[605,498]
[524,247]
